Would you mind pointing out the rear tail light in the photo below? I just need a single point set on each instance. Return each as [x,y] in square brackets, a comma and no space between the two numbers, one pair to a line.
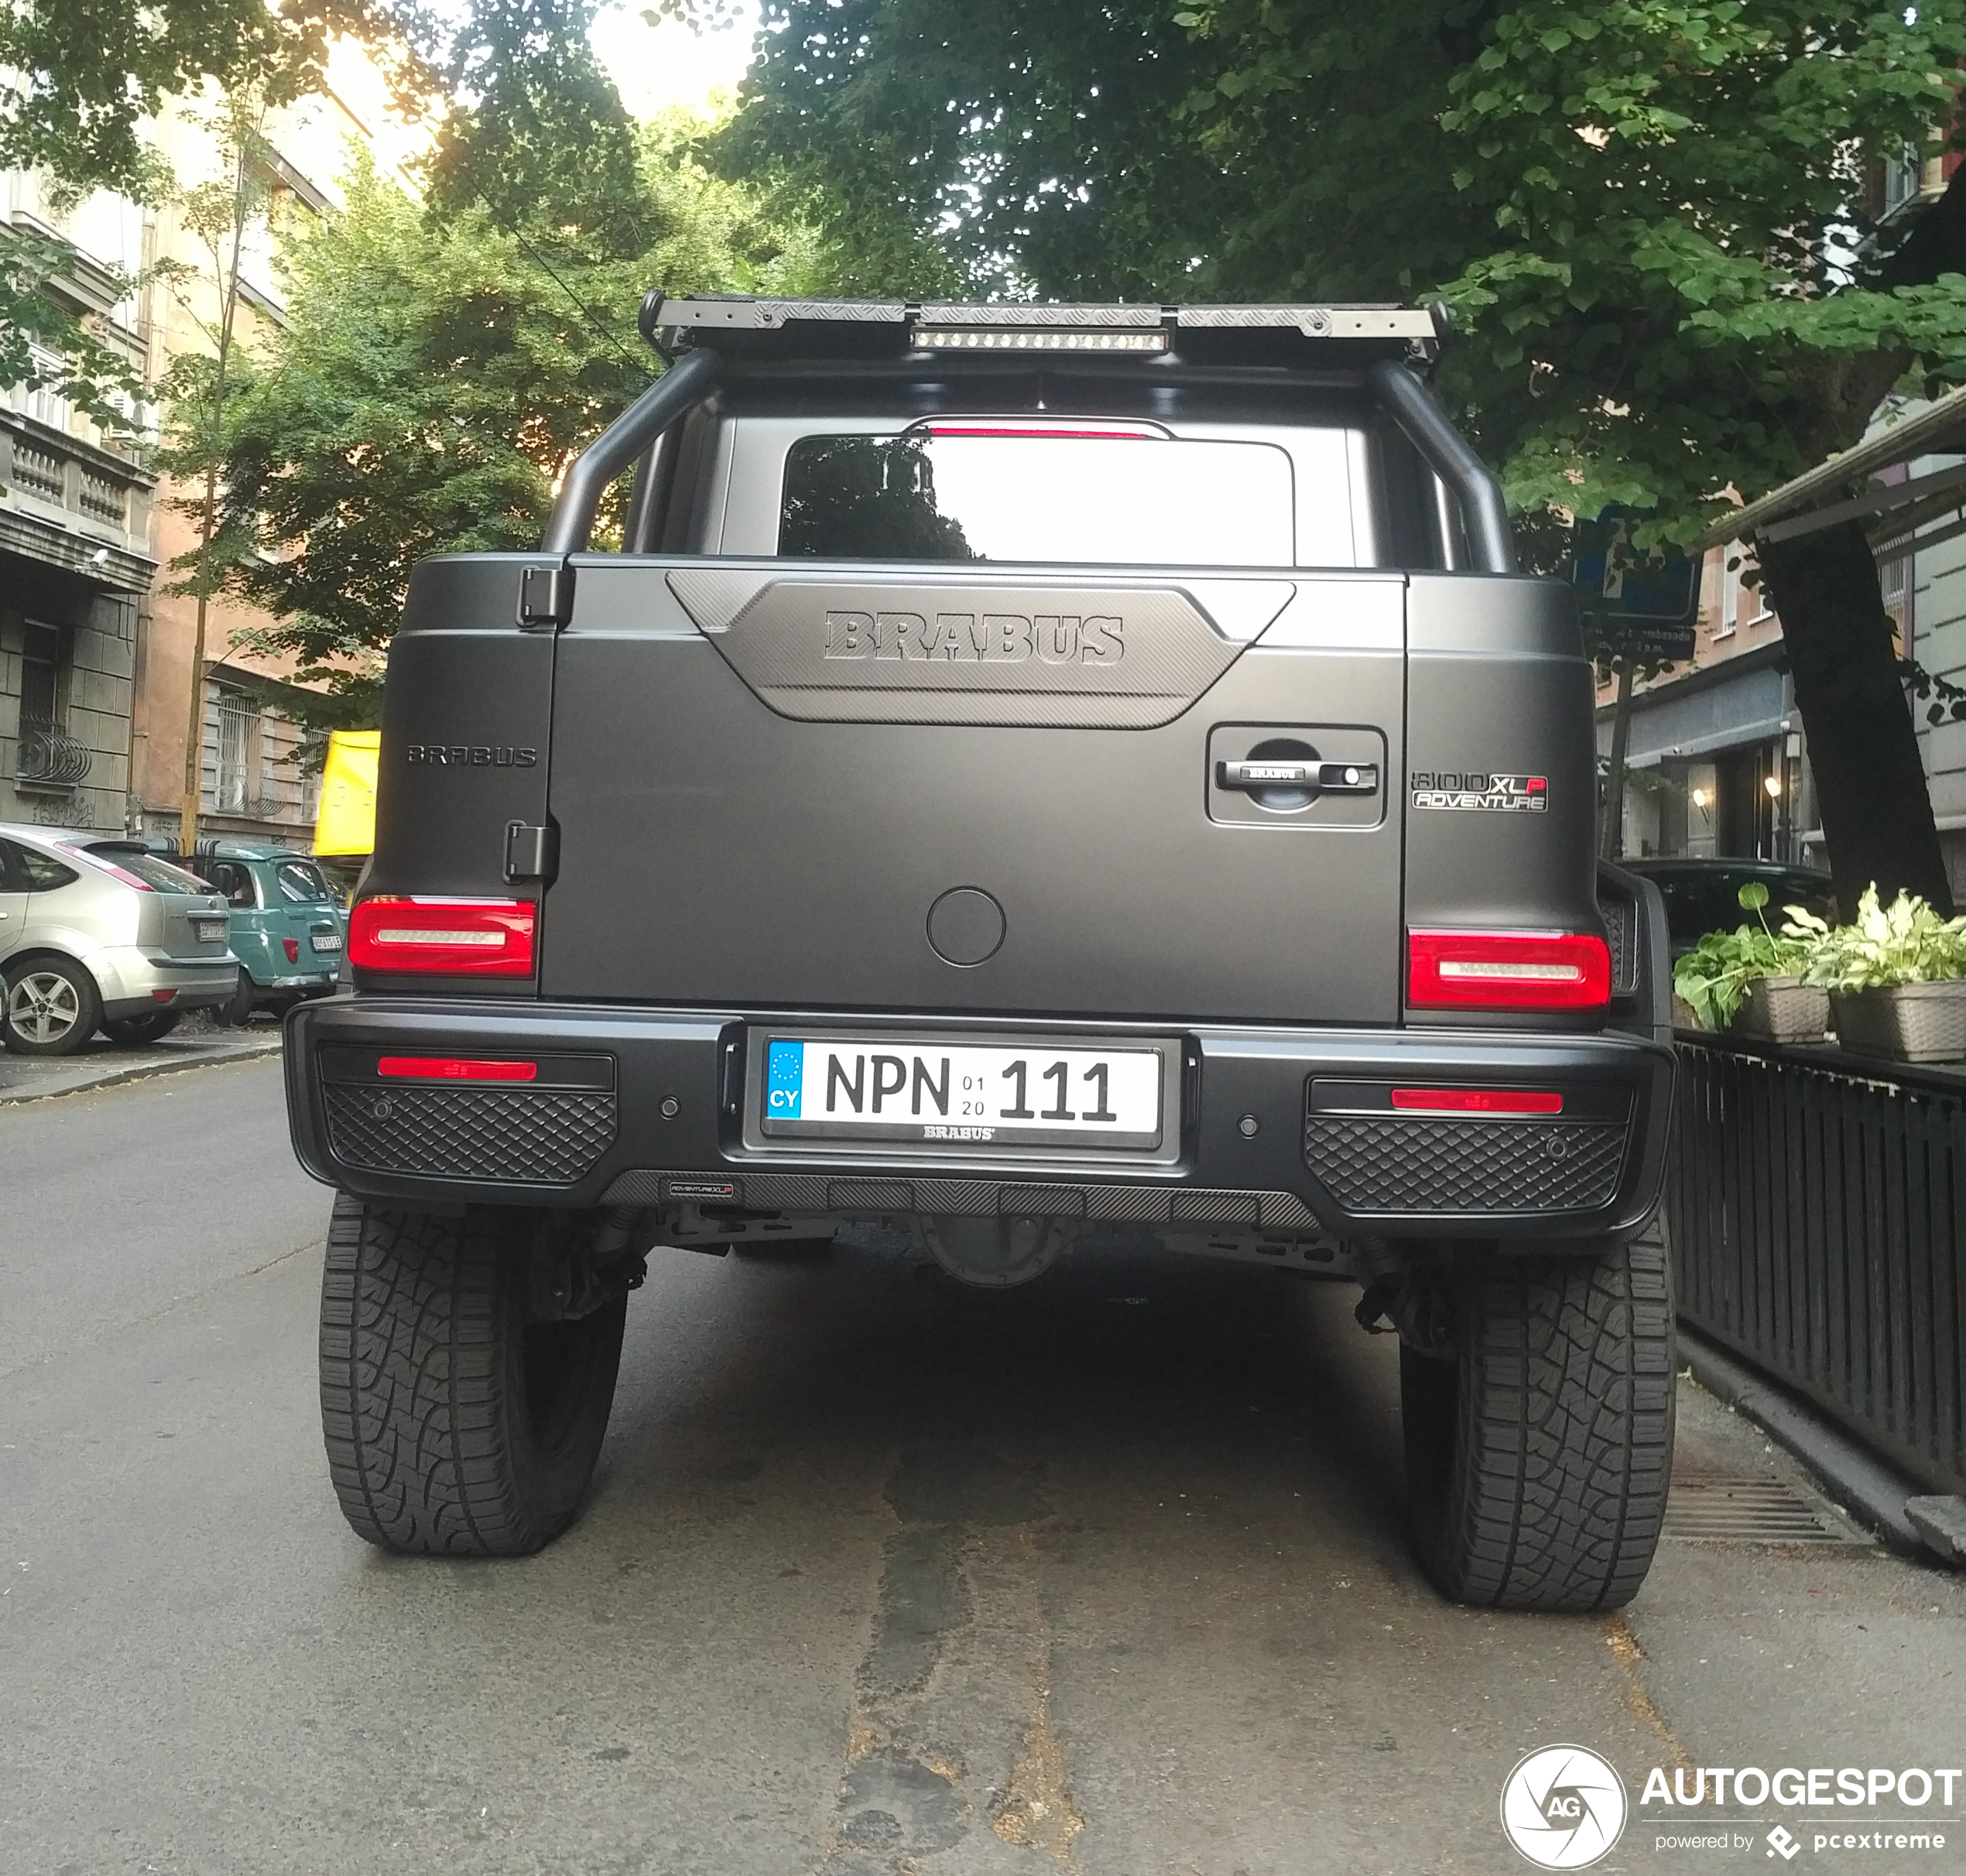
[292,947]
[1507,971]
[1476,1100]
[453,1068]
[443,936]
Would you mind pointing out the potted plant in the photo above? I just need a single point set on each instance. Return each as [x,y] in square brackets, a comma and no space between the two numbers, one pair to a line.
[1750,979]
[1896,978]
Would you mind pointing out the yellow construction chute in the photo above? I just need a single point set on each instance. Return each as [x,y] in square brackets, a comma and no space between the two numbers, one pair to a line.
[347,821]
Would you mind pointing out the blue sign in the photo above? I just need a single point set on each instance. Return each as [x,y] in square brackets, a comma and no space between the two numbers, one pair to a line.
[1645,599]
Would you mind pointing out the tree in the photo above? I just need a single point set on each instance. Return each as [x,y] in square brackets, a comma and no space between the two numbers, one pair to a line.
[525,119]
[1650,215]
[434,379]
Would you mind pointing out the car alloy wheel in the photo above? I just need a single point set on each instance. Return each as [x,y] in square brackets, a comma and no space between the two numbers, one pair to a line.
[43,1006]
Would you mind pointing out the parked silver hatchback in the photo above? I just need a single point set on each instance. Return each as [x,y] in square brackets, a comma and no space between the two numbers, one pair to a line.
[97,933]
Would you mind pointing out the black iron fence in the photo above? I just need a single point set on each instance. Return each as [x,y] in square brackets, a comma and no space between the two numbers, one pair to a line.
[1817,1204]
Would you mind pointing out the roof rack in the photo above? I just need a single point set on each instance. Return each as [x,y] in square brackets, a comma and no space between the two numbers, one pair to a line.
[1143,329]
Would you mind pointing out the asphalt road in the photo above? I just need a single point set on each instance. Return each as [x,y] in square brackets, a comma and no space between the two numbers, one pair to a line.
[878,1576]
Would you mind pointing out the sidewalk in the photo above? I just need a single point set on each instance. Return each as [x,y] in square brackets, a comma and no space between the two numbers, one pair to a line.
[197,1042]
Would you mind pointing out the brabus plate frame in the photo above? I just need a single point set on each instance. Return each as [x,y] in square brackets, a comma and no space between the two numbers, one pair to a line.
[1145,1133]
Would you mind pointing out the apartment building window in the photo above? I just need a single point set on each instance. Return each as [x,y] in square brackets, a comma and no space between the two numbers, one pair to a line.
[42,401]
[1903,174]
[1894,579]
[238,741]
[40,677]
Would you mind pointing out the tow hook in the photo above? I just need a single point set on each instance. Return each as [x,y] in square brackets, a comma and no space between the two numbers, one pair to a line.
[1407,1294]
[572,1273]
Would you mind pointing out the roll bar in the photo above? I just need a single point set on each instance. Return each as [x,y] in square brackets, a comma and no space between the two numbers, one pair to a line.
[680,389]
[1447,453]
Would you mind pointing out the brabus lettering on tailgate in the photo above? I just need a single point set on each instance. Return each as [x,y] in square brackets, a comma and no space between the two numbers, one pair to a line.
[962,637]
[1480,791]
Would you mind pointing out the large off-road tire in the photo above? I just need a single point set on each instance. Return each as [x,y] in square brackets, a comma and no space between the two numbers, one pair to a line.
[1538,1458]
[455,1425]
[49,1006]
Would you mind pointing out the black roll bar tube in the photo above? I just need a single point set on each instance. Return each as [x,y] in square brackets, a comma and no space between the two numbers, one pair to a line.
[680,389]
[1445,450]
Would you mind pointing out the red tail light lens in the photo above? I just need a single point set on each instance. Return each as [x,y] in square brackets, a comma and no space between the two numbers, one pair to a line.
[1507,971]
[292,947]
[452,1068]
[443,937]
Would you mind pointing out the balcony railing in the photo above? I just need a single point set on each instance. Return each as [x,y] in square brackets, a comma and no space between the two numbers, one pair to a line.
[49,758]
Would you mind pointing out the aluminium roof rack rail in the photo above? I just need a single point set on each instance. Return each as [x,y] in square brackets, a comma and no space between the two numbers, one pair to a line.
[1143,329]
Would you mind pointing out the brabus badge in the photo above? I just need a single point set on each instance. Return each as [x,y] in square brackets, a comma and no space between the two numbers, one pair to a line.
[1479,791]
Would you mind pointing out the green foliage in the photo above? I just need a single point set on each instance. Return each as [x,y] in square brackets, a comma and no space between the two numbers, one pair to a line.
[1905,943]
[433,381]
[1648,214]
[1714,975]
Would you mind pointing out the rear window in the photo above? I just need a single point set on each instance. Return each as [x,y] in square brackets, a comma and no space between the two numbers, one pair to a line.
[301,883]
[1105,496]
[158,874]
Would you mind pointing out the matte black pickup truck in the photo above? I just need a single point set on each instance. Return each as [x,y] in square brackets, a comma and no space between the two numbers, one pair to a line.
[1033,775]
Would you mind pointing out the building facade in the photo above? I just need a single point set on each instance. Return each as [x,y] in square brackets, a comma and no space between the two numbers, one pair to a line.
[96,658]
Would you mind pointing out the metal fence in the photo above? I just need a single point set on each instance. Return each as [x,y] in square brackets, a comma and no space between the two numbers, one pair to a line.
[1817,1204]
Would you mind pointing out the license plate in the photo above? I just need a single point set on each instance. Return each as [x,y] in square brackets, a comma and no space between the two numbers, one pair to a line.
[209,931]
[332,942]
[963,1095]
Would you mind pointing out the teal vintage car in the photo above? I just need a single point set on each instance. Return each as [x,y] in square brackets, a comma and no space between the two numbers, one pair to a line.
[288,927]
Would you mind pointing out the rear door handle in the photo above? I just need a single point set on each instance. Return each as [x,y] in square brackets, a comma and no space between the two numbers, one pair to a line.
[1326,778]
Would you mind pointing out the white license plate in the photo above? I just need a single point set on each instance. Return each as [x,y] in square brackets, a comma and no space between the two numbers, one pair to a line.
[328,944]
[208,931]
[963,1095]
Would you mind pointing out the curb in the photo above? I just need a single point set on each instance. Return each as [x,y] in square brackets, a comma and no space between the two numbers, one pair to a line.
[1862,1483]
[115,1077]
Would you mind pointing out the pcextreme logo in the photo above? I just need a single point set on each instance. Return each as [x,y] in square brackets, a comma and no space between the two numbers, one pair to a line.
[1564,1807]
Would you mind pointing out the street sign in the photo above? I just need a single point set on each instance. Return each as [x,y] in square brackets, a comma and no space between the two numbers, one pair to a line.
[1641,600]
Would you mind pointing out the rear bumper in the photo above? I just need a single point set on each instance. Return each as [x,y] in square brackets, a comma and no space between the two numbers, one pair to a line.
[645,1107]
[128,976]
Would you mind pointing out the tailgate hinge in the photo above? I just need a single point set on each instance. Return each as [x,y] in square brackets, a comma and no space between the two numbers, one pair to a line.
[532,853]
[546,596]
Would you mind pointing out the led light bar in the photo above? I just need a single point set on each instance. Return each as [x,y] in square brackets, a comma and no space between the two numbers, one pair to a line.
[1507,971]
[936,338]
[453,1068]
[1476,1100]
[443,937]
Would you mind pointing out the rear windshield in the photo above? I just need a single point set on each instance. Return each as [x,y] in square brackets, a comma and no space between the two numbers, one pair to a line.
[1102,497]
[158,874]
[301,883]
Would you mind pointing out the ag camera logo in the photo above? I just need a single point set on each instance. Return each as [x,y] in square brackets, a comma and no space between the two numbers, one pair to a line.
[1564,1807]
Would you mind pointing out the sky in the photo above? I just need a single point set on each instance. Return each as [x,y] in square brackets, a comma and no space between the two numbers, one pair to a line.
[656,67]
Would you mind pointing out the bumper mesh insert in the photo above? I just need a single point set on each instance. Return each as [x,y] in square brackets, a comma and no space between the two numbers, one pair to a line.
[1374,1165]
[535,1137]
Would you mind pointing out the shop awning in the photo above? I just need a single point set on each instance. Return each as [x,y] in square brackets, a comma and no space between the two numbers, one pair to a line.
[1834,491]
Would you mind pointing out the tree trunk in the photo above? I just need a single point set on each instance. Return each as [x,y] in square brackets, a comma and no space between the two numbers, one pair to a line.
[1863,746]
[1611,837]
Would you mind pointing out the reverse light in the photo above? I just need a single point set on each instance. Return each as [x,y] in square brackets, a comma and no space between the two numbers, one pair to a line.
[1507,971]
[453,1068]
[1476,1100]
[450,937]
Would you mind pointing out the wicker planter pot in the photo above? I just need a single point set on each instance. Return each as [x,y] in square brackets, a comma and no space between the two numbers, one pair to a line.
[1909,1022]
[1785,1010]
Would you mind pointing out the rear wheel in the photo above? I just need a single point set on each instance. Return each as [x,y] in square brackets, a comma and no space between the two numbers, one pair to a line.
[1539,1455]
[51,1007]
[238,1009]
[129,1029]
[454,1423]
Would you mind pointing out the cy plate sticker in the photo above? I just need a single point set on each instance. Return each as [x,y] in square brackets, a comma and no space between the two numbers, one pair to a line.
[1479,791]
